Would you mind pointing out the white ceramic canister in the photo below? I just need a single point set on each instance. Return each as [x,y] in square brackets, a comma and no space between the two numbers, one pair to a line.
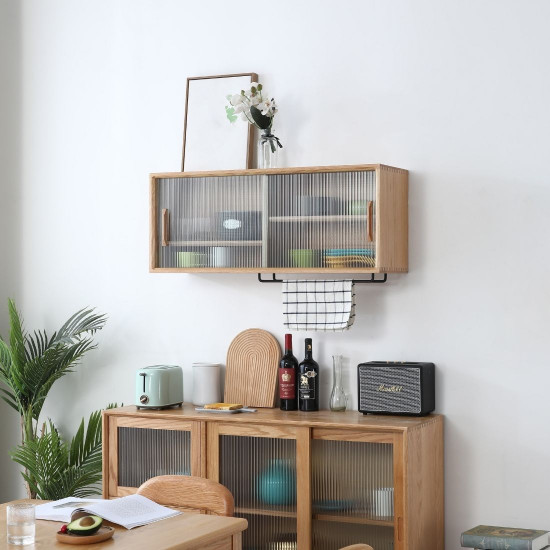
[383,502]
[206,383]
[221,256]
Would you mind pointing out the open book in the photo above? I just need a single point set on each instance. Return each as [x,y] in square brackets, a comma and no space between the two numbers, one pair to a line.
[131,511]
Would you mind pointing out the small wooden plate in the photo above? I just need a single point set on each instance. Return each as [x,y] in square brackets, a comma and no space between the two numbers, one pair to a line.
[104,533]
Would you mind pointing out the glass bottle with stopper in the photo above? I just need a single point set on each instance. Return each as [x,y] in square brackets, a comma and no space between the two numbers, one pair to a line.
[338,398]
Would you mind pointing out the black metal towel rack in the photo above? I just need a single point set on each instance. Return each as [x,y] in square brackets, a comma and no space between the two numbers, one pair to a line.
[372,279]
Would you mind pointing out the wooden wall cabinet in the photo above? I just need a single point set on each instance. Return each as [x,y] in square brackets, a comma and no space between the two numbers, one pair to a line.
[318,480]
[343,219]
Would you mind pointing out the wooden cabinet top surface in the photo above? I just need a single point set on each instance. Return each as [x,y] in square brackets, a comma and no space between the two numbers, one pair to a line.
[320,419]
[294,170]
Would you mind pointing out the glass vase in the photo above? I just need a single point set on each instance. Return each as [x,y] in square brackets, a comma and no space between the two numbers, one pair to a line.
[338,398]
[268,150]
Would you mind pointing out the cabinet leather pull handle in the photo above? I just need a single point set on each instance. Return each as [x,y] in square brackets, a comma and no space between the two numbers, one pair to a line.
[165,227]
[399,528]
[369,221]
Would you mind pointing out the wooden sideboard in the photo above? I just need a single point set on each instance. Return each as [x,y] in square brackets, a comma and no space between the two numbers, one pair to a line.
[302,480]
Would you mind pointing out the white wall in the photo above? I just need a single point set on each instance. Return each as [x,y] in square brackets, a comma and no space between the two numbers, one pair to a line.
[455,91]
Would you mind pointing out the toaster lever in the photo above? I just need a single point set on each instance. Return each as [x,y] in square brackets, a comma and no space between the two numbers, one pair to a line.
[143,374]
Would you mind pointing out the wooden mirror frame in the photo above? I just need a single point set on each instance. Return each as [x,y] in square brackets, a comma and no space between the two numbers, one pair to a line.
[250,144]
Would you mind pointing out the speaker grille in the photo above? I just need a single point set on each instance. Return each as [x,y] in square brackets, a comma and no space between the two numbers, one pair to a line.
[371,398]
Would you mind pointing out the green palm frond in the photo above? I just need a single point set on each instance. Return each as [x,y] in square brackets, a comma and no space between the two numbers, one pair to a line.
[83,321]
[57,469]
[31,363]
[55,363]
[5,356]
[17,337]
[44,460]
[85,447]
[37,344]
[5,366]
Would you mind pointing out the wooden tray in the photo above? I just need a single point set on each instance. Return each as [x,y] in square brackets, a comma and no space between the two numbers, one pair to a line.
[104,533]
[251,374]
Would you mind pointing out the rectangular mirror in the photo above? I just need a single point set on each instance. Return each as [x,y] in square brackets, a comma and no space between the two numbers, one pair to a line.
[210,141]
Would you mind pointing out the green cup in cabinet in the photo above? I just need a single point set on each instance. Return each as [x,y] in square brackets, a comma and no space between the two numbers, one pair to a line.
[191,259]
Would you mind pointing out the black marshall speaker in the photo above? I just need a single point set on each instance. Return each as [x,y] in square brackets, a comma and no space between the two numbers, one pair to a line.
[386,387]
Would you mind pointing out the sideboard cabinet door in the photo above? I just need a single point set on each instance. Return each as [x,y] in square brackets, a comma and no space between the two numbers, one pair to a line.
[356,489]
[138,449]
[266,469]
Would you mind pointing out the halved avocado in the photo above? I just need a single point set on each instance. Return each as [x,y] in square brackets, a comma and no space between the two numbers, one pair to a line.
[87,525]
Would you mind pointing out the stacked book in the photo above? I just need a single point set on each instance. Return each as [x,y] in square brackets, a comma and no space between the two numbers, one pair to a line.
[488,537]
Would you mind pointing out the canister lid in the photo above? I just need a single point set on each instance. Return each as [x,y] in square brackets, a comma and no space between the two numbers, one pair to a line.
[161,367]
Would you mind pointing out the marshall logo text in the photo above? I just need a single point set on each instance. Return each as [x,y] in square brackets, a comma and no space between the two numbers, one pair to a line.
[389,389]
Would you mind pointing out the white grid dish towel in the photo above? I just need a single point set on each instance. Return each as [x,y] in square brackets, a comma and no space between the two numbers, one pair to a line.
[322,305]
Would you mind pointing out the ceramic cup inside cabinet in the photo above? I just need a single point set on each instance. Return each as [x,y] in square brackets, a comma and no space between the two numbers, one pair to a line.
[318,206]
[382,502]
[191,259]
[206,383]
[222,256]
[357,207]
[301,257]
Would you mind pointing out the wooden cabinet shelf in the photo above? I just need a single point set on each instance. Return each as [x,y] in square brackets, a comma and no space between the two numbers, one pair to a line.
[214,243]
[361,519]
[264,512]
[335,218]
[282,466]
[286,220]
[354,518]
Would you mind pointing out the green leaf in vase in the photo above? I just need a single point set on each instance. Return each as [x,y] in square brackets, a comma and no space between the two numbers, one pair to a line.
[262,121]
[230,112]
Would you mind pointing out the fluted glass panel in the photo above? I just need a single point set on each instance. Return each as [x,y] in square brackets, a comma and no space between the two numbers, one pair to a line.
[144,453]
[314,220]
[261,474]
[210,222]
[329,535]
[353,497]
[322,220]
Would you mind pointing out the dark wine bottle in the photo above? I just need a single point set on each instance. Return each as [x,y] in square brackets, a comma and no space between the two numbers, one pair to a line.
[288,378]
[308,385]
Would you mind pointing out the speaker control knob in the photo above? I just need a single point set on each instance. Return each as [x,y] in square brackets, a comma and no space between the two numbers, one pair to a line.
[144,399]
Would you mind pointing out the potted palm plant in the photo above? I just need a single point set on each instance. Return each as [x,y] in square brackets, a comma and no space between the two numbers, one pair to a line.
[29,366]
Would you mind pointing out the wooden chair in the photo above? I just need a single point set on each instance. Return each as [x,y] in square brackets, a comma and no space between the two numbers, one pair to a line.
[358,547]
[189,493]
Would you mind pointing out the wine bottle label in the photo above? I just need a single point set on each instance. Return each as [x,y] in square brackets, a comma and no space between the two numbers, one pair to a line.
[287,383]
[307,385]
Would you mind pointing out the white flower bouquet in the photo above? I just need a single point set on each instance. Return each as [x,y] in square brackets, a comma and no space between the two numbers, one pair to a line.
[254,106]
[257,108]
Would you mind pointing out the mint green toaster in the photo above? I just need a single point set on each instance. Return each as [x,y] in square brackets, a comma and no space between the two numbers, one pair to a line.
[159,386]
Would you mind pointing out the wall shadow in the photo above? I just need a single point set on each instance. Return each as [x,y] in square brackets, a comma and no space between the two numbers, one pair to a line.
[11,37]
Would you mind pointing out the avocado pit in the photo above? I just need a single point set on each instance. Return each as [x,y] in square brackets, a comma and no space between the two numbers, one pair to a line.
[87,525]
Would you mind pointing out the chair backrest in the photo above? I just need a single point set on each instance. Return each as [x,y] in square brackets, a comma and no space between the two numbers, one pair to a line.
[189,492]
[358,547]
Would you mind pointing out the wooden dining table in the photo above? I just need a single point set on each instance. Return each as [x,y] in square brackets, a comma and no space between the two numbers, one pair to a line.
[187,531]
